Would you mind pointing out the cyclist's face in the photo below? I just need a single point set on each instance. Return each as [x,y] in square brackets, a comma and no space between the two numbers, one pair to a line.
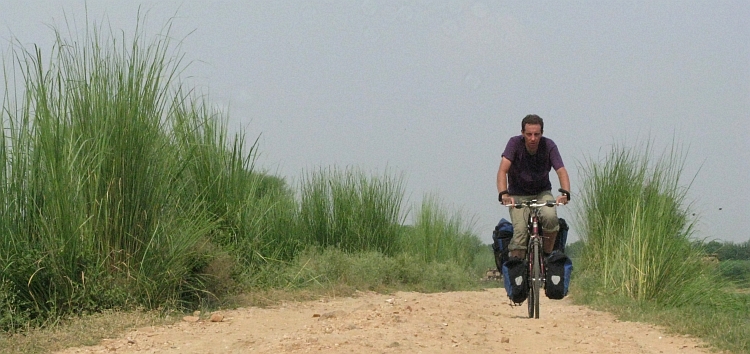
[531,134]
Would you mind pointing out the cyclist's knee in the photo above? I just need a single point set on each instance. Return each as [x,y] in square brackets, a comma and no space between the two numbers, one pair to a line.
[518,253]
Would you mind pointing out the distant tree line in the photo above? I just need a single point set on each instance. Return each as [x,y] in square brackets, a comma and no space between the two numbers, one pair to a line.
[724,251]
[727,250]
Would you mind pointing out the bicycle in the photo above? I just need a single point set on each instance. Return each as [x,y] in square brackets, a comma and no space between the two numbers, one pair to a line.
[536,272]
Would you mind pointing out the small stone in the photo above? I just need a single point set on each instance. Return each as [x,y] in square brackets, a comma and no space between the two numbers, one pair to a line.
[191,318]
[333,314]
[504,340]
[217,317]
[196,313]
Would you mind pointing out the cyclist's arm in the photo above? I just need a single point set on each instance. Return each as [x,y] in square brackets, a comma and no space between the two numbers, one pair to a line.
[502,180]
[562,174]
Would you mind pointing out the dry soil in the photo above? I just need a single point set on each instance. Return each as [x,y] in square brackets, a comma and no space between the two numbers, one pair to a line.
[404,322]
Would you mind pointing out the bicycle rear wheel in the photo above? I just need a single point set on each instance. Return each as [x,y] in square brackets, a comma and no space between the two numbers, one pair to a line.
[536,279]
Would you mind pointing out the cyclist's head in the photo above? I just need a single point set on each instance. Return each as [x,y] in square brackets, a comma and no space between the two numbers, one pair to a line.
[531,129]
[532,119]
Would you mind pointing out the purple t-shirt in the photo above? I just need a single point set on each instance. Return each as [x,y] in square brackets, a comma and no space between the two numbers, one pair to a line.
[529,174]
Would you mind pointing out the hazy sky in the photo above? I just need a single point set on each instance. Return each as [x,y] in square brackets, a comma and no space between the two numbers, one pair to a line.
[434,89]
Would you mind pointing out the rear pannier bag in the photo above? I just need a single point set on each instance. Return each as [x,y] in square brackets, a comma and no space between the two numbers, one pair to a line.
[500,240]
[515,274]
[562,236]
[557,276]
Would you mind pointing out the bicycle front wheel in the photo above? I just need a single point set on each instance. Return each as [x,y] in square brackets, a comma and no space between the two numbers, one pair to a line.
[536,279]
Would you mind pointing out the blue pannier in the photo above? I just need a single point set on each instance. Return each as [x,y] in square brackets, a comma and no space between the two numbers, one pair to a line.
[562,236]
[500,240]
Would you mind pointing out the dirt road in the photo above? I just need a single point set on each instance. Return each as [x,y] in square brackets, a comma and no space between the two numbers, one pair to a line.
[405,322]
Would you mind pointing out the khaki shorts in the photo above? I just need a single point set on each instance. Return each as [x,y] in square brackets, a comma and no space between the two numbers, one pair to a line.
[520,220]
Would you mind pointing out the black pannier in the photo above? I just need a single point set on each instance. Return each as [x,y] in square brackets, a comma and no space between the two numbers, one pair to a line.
[515,274]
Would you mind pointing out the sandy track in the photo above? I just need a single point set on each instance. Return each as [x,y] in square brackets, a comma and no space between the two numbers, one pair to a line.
[405,322]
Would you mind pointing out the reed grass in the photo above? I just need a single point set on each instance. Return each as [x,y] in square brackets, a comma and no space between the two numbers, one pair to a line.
[439,235]
[637,258]
[349,210]
[636,229]
[100,209]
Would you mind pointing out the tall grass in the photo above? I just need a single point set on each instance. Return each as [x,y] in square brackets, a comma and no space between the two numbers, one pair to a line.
[352,211]
[103,201]
[636,227]
[440,236]
[253,210]
[637,259]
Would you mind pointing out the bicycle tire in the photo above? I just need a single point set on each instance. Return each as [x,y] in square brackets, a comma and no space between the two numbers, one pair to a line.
[531,300]
[536,276]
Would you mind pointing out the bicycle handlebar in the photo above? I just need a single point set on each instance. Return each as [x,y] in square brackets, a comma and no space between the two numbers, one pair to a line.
[533,204]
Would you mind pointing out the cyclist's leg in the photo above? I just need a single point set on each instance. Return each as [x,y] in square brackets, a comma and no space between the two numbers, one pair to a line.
[550,223]
[519,218]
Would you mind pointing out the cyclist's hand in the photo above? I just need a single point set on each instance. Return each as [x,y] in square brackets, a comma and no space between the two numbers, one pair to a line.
[562,199]
[508,200]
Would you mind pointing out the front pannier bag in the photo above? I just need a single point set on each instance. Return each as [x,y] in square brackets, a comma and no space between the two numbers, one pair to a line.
[515,273]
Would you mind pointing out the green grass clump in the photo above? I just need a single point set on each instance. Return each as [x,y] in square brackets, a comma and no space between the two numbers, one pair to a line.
[106,202]
[439,236]
[92,183]
[636,230]
[350,210]
[637,258]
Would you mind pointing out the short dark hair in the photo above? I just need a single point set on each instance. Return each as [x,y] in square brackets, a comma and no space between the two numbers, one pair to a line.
[532,119]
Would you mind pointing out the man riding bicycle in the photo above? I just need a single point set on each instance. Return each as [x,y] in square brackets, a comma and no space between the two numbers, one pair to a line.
[524,175]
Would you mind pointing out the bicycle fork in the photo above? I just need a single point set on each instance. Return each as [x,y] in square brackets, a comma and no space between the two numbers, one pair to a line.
[539,255]
[535,270]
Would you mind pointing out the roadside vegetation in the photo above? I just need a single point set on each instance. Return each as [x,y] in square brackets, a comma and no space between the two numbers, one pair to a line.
[638,258]
[121,189]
